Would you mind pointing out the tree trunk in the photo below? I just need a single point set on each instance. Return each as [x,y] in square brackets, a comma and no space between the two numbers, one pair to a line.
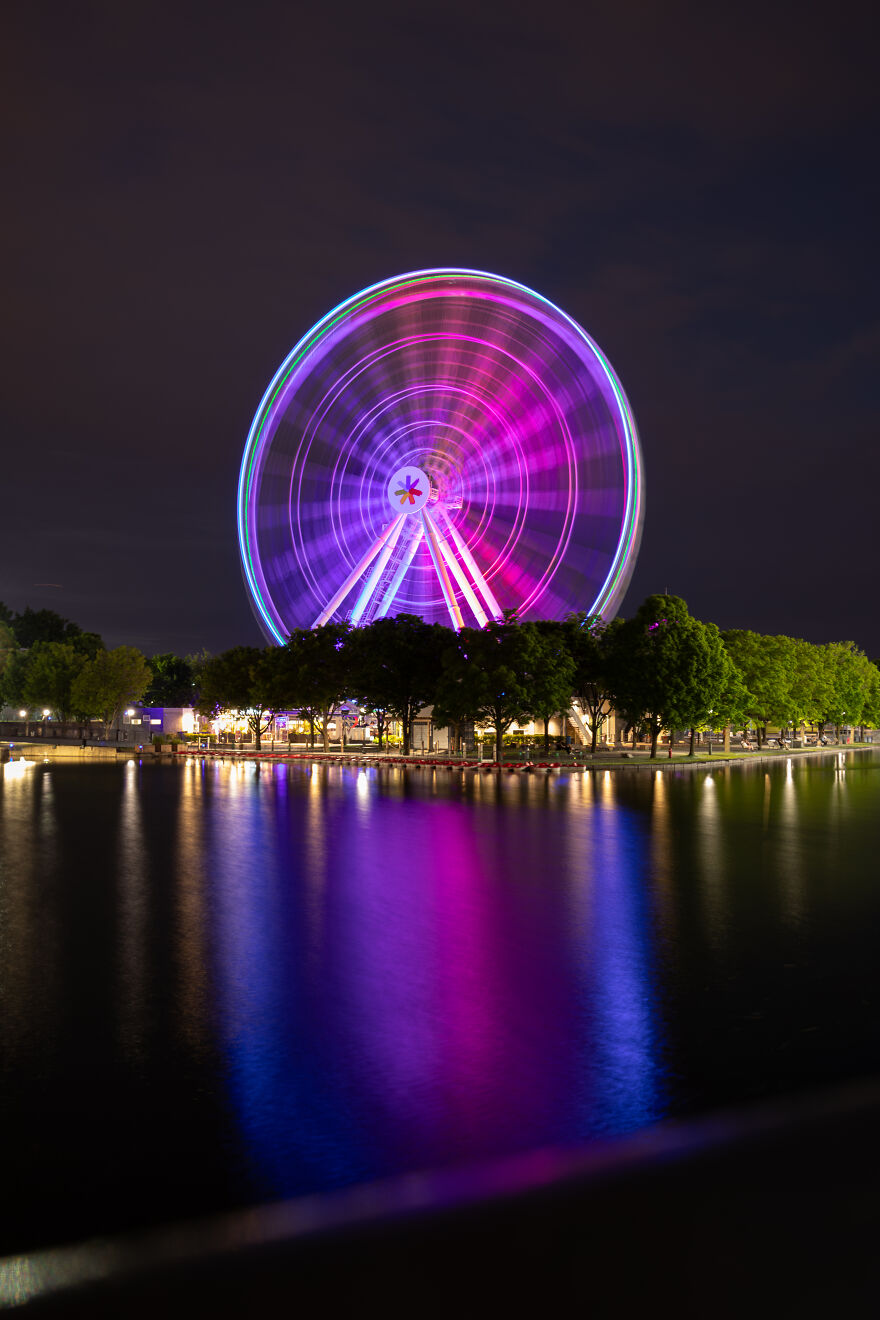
[325,729]
[692,750]
[546,737]
[726,738]
[655,734]
[594,731]
[499,741]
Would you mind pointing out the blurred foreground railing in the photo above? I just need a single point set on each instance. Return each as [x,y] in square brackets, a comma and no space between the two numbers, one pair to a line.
[770,1211]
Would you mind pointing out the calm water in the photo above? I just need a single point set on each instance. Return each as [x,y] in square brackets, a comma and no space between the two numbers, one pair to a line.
[224,983]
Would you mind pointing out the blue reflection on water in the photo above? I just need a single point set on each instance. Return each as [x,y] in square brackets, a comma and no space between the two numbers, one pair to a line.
[401,982]
[621,989]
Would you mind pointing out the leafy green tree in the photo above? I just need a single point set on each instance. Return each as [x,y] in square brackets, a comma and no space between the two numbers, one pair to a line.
[8,648]
[172,681]
[806,680]
[554,676]
[731,697]
[669,667]
[32,626]
[109,682]
[590,642]
[723,694]
[871,709]
[766,665]
[317,669]
[491,675]
[44,676]
[244,679]
[395,666]
[847,686]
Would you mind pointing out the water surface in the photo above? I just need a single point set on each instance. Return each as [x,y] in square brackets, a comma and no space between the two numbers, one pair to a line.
[223,983]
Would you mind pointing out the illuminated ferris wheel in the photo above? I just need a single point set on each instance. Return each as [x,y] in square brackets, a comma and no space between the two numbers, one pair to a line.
[449,444]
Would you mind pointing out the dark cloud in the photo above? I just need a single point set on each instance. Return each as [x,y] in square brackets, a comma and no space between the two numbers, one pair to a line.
[190,187]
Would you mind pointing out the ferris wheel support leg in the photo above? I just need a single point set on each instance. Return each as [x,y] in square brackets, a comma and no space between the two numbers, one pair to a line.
[378,569]
[408,556]
[443,576]
[458,573]
[355,573]
[479,581]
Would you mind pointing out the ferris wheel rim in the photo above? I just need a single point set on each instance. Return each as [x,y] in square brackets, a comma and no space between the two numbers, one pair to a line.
[433,278]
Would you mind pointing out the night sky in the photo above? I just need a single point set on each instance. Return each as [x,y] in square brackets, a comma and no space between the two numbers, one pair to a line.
[187,188]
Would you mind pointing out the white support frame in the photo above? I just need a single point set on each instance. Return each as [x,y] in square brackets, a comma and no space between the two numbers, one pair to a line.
[393,528]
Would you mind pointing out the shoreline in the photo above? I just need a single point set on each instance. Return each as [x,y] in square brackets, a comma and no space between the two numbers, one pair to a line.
[31,751]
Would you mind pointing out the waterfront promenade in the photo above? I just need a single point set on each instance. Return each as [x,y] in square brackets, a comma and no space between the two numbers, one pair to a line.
[365,755]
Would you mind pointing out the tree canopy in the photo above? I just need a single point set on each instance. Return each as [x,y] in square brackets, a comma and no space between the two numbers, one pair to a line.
[492,675]
[394,667]
[112,680]
[670,669]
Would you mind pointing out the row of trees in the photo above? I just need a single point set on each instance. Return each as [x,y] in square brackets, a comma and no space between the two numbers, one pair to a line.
[661,669]
[48,662]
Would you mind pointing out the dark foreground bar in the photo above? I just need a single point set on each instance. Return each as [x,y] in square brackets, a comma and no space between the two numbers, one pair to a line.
[773,1211]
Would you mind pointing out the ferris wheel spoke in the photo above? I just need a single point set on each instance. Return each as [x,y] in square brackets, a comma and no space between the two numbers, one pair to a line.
[458,573]
[363,564]
[400,572]
[501,410]
[378,570]
[479,581]
[442,573]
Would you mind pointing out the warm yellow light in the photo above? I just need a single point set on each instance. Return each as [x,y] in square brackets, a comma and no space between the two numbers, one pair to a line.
[22,714]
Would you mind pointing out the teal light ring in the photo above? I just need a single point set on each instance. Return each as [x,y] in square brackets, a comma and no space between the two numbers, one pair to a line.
[513,372]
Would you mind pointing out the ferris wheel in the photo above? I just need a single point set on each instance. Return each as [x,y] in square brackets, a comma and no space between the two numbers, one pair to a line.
[446,443]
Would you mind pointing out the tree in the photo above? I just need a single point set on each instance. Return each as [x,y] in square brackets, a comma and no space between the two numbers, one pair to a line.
[490,675]
[766,665]
[670,669]
[8,647]
[109,682]
[395,666]
[317,671]
[554,675]
[871,711]
[245,680]
[172,681]
[44,676]
[590,642]
[847,687]
[722,691]
[32,626]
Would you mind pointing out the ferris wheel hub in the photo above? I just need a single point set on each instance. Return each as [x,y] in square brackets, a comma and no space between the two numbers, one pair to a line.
[409,490]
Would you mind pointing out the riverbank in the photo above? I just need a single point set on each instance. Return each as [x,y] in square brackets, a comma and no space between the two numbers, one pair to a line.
[32,750]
